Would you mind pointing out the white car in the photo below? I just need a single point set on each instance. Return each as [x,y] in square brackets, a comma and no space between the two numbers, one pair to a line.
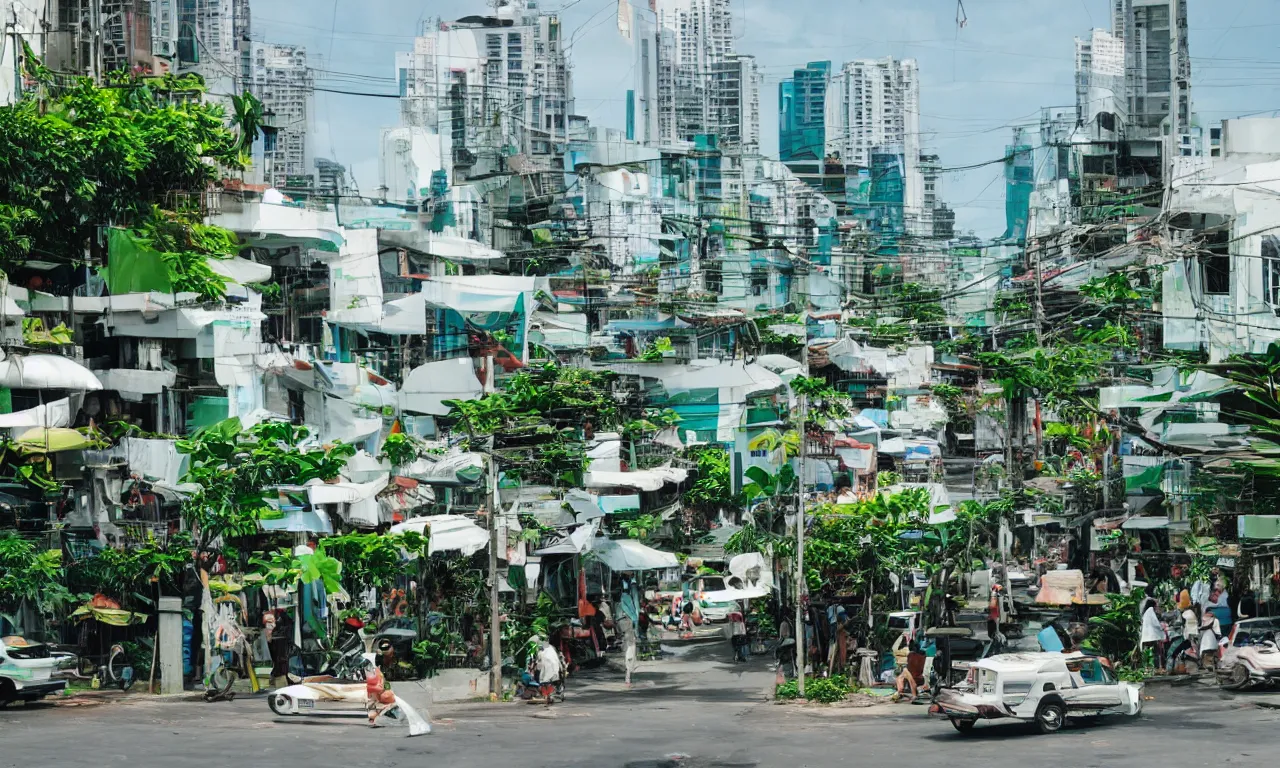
[1046,688]
[26,671]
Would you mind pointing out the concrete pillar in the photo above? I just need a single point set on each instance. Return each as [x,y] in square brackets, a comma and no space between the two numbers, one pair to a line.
[169,638]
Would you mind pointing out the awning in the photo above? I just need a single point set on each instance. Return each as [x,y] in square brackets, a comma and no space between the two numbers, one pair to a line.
[575,543]
[241,271]
[731,595]
[427,387]
[55,414]
[129,380]
[1145,523]
[345,493]
[448,533]
[452,469]
[46,372]
[630,555]
[644,480]
[298,521]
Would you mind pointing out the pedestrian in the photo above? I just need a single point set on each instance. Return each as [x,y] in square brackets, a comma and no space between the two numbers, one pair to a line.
[1188,638]
[550,670]
[738,634]
[686,617]
[1153,632]
[1210,637]
[629,618]
[993,614]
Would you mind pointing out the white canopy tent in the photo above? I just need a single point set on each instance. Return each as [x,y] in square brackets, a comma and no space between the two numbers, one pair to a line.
[448,533]
[629,555]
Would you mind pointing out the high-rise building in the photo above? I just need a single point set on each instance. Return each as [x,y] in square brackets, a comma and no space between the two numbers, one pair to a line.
[935,218]
[873,103]
[490,82]
[1155,79]
[279,76]
[802,113]
[96,37]
[735,102]
[703,86]
[644,96]
[873,108]
[1100,81]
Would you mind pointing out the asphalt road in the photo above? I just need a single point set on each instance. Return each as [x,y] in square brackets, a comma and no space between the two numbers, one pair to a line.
[693,712]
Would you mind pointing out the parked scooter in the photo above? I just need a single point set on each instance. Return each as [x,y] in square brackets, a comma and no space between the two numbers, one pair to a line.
[345,658]
[324,694]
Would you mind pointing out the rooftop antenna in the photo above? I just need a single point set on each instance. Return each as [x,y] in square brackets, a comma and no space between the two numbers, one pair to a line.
[962,18]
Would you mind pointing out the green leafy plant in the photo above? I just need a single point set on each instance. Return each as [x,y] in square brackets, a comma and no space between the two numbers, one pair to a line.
[235,468]
[81,155]
[30,575]
[657,349]
[824,690]
[641,527]
[1115,632]
[431,653]
[34,334]
[713,487]
[284,568]
[270,291]
[399,449]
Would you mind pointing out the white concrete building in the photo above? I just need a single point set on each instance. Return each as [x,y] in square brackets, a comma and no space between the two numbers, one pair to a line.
[1100,83]
[703,85]
[462,77]
[735,102]
[873,104]
[22,21]
[1153,77]
[279,76]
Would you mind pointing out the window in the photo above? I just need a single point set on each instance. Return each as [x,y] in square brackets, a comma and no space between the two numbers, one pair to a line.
[713,278]
[1215,275]
[759,282]
[1271,270]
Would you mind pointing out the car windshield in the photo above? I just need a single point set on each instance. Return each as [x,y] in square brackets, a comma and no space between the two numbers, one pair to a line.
[712,583]
[899,622]
[1255,632]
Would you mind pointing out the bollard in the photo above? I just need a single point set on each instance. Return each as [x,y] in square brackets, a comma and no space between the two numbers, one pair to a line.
[169,640]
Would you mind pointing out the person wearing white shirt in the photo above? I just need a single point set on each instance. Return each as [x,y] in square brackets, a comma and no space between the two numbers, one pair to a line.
[1153,632]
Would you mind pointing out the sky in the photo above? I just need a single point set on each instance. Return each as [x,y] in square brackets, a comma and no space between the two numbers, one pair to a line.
[1008,61]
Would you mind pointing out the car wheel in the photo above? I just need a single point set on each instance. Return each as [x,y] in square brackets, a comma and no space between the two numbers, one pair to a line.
[8,692]
[1237,678]
[963,726]
[279,704]
[1051,717]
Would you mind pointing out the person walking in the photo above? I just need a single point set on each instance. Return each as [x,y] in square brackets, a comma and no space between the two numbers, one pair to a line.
[1189,637]
[737,629]
[628,621]
[1153,632]
[993,616]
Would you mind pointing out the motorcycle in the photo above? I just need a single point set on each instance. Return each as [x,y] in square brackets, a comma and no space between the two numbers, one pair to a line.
[345,659]
[328,695]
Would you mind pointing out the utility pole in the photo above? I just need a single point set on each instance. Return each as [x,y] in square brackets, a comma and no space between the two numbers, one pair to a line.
[495,620]
[1037,250]
[801,642]
[1175,91]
